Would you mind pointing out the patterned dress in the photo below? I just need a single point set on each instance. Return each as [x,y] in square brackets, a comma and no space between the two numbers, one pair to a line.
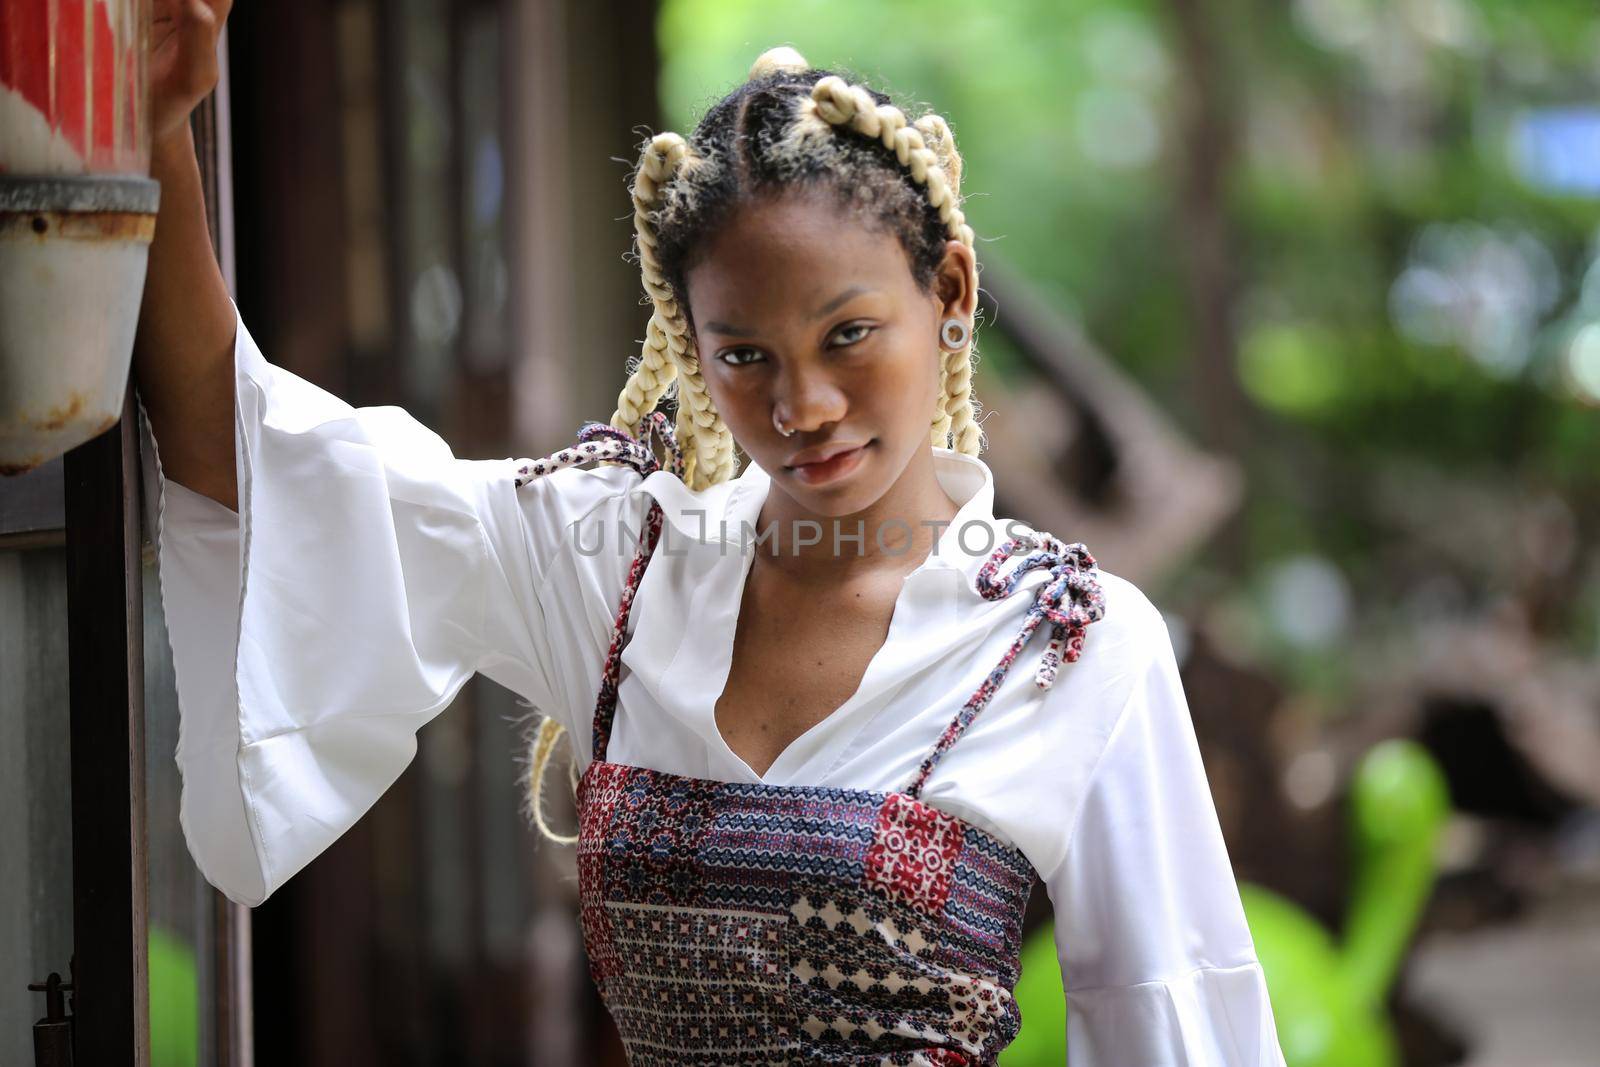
[743,923]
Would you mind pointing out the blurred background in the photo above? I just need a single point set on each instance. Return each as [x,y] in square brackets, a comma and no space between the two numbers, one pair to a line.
[1291,313]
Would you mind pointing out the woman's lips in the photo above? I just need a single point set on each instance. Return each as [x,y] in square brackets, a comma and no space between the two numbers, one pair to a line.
[833,468]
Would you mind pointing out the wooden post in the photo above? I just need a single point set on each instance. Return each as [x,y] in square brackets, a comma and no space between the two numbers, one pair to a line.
[105,647]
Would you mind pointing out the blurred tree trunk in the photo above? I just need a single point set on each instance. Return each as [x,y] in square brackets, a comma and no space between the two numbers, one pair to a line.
[1207,244]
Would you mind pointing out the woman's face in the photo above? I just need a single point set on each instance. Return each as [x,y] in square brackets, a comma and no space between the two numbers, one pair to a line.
[803,313]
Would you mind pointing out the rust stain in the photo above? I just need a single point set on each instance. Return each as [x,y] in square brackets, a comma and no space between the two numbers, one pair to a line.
[57,418]
[11,470]
[108,226]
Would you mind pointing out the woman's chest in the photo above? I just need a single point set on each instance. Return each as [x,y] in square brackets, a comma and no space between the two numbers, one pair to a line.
[798,656]
[853,696]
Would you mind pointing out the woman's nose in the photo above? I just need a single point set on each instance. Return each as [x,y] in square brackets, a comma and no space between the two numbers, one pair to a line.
[806,401]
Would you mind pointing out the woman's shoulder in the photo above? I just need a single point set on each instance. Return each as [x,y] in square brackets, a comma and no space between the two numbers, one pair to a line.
[1127,664]
[1131,618]
[574,490]
[1127,634]
[572,495]
[1126,621]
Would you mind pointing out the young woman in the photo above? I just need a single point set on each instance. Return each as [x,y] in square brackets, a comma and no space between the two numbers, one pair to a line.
[831,745]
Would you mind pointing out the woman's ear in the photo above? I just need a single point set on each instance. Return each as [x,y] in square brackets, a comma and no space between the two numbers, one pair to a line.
[955,282]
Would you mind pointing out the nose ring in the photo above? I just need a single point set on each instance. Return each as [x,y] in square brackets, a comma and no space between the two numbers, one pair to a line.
[779,424]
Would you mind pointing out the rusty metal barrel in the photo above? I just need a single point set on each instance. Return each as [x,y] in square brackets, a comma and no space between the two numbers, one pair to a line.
[77,214]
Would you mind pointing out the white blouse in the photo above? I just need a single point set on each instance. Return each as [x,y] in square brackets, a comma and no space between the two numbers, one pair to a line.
[369,574]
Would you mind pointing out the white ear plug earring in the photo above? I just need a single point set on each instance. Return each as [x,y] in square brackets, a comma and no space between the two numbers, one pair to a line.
[954,332]
[779,425]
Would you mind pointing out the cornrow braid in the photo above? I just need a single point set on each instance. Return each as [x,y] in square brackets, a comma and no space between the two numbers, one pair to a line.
[936,134]
[789,125]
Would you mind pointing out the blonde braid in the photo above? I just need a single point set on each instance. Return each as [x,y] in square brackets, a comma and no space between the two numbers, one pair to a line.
[959,406]
[669,350]
[936,132]
[927,150]
[666,335]
[709,453]
[543,746]
[648,383]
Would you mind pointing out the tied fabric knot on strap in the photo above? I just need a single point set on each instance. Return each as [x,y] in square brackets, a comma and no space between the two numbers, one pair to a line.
[604,442]
[1070,601]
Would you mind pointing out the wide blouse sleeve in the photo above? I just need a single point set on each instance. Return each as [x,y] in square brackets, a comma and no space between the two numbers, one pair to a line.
[1158,963]
[366,576]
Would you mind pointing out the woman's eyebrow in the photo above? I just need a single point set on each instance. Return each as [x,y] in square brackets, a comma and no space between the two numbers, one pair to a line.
[837,302]
[729,331]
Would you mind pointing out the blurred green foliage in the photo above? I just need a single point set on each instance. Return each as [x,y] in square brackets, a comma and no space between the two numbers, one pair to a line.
[1411,203]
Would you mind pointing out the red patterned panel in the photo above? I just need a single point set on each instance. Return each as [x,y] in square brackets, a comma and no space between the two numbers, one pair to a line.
[913,852]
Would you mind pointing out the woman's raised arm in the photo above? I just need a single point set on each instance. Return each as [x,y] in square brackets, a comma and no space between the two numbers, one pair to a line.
[183,353]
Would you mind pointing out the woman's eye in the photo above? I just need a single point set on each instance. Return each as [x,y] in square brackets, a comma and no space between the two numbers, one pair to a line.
[854,334]
[730,357]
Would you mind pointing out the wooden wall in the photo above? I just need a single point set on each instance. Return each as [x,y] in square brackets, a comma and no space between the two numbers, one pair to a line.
[432,212]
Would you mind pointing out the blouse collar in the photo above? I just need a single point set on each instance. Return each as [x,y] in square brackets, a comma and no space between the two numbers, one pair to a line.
[716,515]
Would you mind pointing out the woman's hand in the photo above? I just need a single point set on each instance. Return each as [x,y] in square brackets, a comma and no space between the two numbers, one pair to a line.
[183,59]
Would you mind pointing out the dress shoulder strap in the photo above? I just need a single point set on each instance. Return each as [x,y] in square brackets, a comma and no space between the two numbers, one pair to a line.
[605,443]
[1070,601]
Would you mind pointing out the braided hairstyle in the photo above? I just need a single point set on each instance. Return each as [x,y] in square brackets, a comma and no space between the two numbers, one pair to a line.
[789,126]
